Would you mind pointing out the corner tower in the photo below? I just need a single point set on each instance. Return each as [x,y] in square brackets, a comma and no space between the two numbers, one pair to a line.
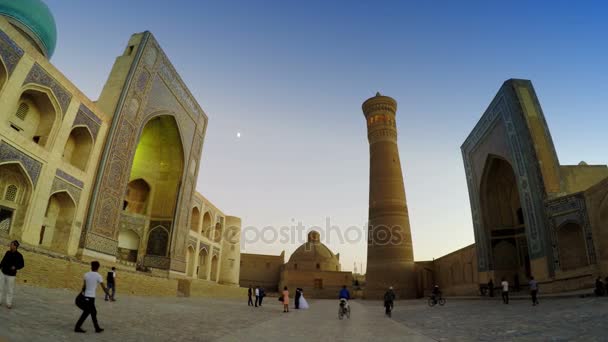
[390,256]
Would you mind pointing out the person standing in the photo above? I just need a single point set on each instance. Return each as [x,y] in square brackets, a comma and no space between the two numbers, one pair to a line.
[257,295]
[533,290]
[285,299]
[91,280]
[10,264]
[249,294]
[297,298]
[111,279]
[505,291]
[262,295]
[491,287]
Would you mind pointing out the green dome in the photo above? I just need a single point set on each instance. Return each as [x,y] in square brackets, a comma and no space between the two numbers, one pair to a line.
[35,19]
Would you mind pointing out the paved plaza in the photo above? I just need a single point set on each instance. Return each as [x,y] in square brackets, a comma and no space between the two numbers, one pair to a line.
[49,315]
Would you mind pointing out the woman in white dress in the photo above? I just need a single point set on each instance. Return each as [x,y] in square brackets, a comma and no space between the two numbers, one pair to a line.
[303,302]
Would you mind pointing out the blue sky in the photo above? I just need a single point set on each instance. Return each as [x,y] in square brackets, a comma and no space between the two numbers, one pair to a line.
[291,77]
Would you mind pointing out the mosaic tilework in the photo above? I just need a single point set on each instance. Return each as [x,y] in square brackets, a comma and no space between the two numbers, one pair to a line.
[61,185]
[134,223]
[87,118]
[570,209]
[506,108]
[10,52]
[38,75]
[101,244]
[9,153]
[69,178]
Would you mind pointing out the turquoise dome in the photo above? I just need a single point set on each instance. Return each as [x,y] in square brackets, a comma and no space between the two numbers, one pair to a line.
[35,18]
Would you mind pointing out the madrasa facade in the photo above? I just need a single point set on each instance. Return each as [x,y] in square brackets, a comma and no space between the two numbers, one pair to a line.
[532,216]
[112,179]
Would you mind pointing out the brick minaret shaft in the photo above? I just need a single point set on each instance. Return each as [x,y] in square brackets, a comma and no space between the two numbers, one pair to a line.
[390,257]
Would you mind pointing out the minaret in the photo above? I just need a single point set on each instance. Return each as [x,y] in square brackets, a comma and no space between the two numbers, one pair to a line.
[390,257]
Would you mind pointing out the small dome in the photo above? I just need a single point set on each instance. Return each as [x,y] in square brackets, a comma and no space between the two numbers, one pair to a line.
[35,19]
[582,163]
[313,253]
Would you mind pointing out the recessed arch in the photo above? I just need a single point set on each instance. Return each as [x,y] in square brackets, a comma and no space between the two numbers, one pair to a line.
[36,115]
[190,261]
[214,267]
[195,220]
[58,222]
[78,147]
[136,200]
[203,256]
[159,159]
[158,240]
[217,234]
[207,225]
[504,220]
[16,188]
[571,246]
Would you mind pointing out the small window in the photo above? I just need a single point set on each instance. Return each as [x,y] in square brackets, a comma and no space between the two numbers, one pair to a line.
[318,283]
[318,266]
[22,111]
[129,50]
[11,193]
[295,266]
[36,139]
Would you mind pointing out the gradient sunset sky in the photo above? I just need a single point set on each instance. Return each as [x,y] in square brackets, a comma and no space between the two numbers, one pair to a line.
[290,76]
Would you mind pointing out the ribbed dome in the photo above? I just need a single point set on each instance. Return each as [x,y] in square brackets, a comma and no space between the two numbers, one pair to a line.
[35,19]
[313,253]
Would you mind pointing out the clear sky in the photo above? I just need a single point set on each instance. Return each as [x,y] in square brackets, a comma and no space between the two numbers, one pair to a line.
[290,76]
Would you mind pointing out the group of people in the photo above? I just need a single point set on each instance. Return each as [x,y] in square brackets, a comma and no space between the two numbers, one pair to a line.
[259,294]
[504,286]
[13,261]
[601,287]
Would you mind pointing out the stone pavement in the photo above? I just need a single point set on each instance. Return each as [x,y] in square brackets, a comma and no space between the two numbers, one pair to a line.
[49,315]
[557,319]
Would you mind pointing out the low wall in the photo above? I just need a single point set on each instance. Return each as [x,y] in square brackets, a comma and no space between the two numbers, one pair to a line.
[47,269]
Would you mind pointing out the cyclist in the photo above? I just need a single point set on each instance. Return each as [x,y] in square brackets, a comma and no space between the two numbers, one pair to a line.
[344,296]
[436,293]
[389,298]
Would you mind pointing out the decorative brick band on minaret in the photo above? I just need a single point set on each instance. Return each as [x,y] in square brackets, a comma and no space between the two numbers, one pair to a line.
[390,257]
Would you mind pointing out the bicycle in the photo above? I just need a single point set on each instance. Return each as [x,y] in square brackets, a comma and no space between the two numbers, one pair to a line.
[434,301]
[344,310]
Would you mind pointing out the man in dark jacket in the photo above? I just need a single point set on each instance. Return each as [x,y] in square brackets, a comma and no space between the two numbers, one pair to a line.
[10,264]
[389,299]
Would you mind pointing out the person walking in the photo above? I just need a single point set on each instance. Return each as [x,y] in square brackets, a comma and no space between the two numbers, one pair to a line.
[491,287]
[257,295]
[10,264]
[533,290]
[297,298]
[91,280]
[249,294]
[111,279]
[505,291]
[389,300]
[285,299]
[262,295]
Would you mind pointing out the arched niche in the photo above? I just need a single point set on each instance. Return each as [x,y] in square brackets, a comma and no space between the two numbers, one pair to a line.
[15,195]
[195,220]
[136,200]
[571,246]
[78,147]
[58,222]
[36,115]
[128,245]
